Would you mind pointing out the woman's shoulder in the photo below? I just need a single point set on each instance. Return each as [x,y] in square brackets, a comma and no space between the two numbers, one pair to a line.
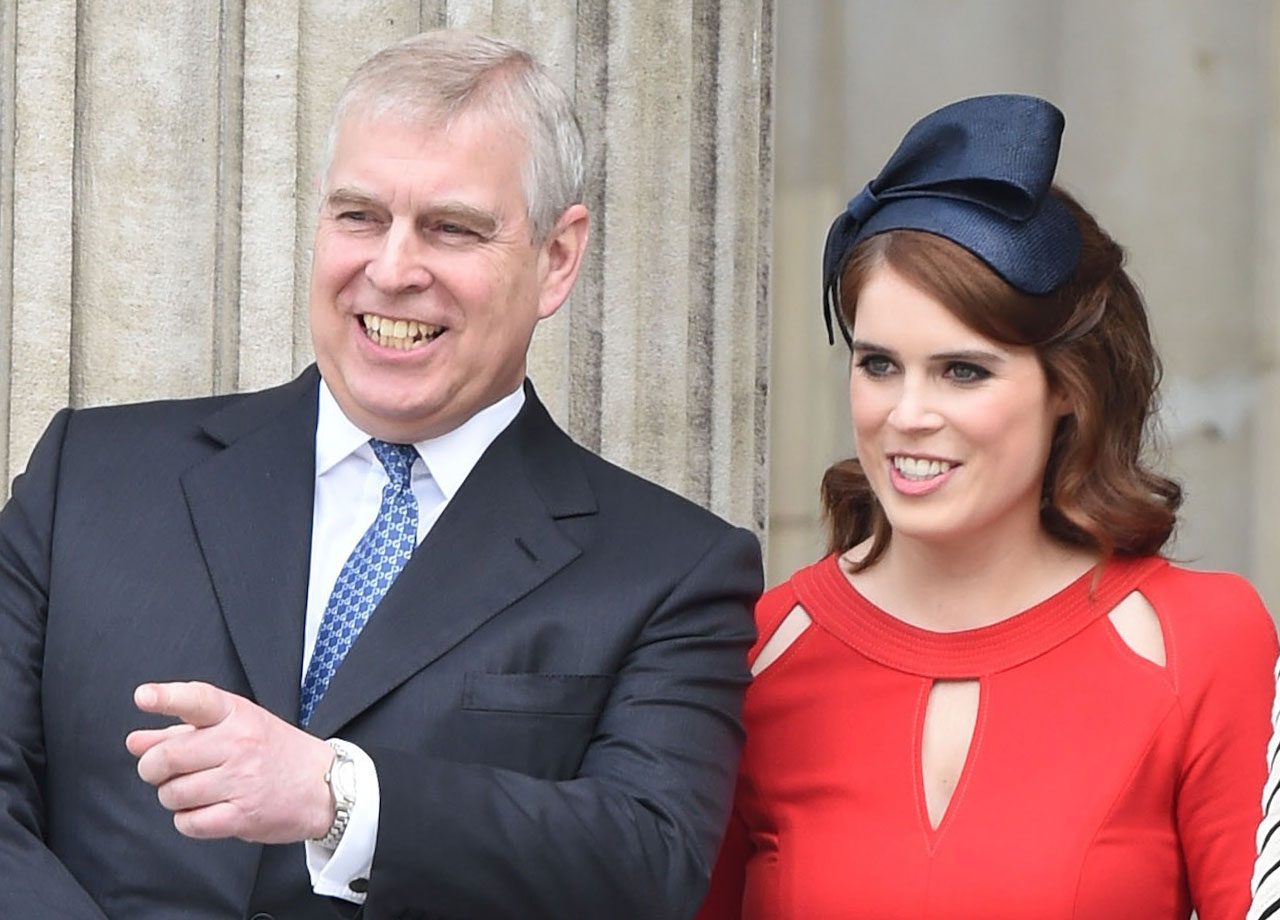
[1211,616]
[780,600]
[772,609]
[1196,593]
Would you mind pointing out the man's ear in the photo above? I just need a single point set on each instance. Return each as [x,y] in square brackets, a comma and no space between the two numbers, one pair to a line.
[560,258]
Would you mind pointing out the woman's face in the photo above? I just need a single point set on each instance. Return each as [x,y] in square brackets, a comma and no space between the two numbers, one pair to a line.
[952,429]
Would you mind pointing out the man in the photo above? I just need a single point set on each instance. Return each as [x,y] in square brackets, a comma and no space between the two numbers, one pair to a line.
[382,636]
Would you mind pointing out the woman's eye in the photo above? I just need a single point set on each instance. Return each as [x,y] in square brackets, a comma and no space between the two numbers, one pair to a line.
[875,365]
[964,372]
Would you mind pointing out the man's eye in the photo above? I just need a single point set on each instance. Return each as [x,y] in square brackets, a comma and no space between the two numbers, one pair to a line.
[357,217]
[875,365]
[964,372]
[454,230]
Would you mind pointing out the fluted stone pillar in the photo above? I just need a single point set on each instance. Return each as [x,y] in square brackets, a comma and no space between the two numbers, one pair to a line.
[157,196]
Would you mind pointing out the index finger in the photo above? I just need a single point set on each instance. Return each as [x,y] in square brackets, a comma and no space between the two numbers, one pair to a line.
[194,702]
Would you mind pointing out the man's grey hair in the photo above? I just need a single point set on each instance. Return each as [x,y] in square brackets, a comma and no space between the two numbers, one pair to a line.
[435,77]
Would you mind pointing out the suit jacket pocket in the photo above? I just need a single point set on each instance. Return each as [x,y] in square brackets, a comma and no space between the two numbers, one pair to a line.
[541,694]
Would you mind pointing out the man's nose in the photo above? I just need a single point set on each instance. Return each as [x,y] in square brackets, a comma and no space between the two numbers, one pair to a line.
[400,264]
[915,409]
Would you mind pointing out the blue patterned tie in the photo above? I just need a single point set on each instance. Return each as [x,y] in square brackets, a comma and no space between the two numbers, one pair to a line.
[367,573]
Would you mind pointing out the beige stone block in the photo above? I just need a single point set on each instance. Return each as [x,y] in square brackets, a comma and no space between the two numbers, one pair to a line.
[146,204]
[1162,142]
[8,15]
[733,154]
[1264,502]
[271,227]
[793,544]
[43,116]
[809,389]
[646,234]
[1265,549]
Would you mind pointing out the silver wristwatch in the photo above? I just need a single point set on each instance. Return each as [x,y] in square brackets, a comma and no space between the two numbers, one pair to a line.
[342,786]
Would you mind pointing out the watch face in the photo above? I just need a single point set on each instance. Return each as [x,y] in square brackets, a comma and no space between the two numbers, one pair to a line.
[344,778]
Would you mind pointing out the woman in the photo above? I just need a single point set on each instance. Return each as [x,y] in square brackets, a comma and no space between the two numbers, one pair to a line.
[994,699]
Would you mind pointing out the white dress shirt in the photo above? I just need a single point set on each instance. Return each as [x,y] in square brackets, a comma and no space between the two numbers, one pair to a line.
[349,482]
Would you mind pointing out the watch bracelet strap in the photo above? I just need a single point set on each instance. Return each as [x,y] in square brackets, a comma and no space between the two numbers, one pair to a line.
[342,807]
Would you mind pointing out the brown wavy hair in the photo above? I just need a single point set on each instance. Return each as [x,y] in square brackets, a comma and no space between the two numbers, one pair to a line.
[1093,341]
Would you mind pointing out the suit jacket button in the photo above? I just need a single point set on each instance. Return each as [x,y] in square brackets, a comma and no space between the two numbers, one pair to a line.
[262,916]
[359,885]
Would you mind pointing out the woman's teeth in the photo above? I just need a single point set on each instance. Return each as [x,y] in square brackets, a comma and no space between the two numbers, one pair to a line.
[915,468]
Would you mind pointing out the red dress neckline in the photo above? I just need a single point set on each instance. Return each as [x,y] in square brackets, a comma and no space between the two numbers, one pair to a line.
[827,596]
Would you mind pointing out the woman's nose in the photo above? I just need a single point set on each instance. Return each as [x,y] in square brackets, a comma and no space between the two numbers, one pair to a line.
[914,409]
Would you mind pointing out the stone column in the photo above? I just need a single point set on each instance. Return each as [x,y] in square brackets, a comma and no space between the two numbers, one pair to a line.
[157,193]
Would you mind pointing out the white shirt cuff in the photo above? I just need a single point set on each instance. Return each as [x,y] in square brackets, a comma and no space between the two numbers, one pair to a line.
[334,872]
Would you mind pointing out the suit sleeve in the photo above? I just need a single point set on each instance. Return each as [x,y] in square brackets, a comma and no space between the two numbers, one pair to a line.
[633,834]
[33,883]
[1229,662]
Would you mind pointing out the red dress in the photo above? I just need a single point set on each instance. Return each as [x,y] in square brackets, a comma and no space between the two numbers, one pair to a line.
[1098,784]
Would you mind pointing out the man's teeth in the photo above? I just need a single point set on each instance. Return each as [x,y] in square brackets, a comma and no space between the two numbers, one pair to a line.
[398,333]
[915,468]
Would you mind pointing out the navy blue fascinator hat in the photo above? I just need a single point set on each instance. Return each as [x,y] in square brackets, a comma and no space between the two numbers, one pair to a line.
[977,172]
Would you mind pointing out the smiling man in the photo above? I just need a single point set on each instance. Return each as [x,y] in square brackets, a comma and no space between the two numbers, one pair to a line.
[383,639]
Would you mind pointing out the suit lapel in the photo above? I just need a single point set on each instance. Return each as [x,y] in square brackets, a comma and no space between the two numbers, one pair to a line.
[250,504]
[497,541]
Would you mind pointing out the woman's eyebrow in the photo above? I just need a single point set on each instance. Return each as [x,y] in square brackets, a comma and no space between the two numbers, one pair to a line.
[864,345]
[972,354]
[964,354]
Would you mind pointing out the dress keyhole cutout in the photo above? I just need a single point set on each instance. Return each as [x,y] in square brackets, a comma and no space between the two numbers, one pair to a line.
[788,631]
[949,720]
[1137,623]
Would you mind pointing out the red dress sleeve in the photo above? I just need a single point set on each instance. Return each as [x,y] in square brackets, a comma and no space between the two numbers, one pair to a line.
[724,897]
[1224,659]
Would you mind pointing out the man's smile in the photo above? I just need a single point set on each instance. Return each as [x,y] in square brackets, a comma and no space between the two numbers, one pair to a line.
[404,334]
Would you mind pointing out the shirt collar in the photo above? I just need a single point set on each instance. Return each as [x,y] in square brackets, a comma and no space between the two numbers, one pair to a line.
[449,458]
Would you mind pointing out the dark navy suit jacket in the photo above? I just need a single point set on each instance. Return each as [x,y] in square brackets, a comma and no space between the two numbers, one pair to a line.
[550,690]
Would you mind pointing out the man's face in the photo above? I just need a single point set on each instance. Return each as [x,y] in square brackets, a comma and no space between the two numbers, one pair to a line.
[426,283]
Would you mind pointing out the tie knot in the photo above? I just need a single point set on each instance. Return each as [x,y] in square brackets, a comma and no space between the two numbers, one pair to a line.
[396,459]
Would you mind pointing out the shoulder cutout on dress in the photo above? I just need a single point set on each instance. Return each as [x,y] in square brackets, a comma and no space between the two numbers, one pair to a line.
[1138,625]
[790,629]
